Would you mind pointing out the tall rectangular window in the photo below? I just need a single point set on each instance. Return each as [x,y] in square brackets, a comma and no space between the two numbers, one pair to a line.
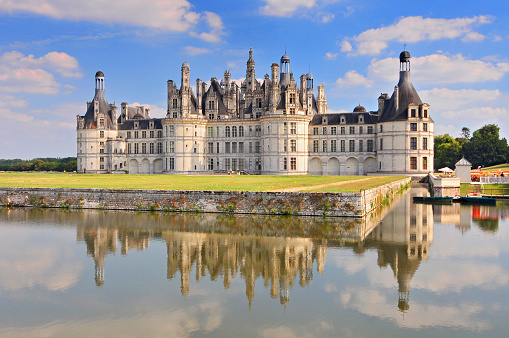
[343,146]
[370,145]
[258,130]
[210,163]
[217,131]
[128,134]
[333,130]
[370,129]
[413,126]
[227,164]
[159,147]
[241,147]
[315,131]
[361,130]
[285,163]
[293,128]
[381,144]
[227,132]
[352,130]
[257,147]
[210,131]
[293,163]
[333,146]
[128,148]
[285,128]
[227,147]
[361,146]
[172,147]
[424,127]
[425,143]
[211,147]
[241,131]
[351,145]
[101,134]
[217,148]
[151,148]
[234,147]
[143,148]
[171,131]
[172,163]
[342,130]
[250,147]
[324,146]
[151,134]
[413,143]
[234,131]
[293,145]
[315,146]
[159,133]
[324,130]
[424,163]
[413,163]
[234,164]
[144,134]
[136,148]
[285,145]
[241,164]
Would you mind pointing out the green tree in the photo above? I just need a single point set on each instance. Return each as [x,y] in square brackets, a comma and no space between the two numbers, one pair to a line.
[486,148]
[447,151]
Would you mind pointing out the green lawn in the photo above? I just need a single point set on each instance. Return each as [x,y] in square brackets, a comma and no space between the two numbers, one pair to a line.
[183,182]
[503,167]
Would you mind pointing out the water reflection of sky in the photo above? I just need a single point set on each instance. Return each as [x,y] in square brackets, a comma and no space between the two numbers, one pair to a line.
[423,271]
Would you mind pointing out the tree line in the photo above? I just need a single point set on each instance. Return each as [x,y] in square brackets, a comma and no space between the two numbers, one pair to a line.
[67,164]
[483,148]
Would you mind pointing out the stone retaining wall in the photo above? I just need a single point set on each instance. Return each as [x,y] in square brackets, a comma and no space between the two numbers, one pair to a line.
[244,202]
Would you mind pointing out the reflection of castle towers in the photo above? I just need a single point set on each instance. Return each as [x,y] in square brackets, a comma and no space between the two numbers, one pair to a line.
[403,239]
[102,241]
[276,260]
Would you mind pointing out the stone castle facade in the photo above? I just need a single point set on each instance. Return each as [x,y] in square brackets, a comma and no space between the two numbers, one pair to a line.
[272,126]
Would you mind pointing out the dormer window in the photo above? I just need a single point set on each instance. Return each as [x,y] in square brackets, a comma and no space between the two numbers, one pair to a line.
[136,125]
[151,125]
[324,120]
[361,119]
[425,113]
[342,119]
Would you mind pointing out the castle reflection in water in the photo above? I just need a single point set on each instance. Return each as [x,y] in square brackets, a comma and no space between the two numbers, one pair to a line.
[278,251]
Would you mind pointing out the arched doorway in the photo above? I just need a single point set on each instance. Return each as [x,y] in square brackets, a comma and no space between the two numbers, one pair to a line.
[315,166]
[369,165]
[145,167]
[333,166]
[352,166]
[158,166]
[133,167]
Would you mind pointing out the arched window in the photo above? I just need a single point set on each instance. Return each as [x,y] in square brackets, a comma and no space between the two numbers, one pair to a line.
[227,131]
[241,131]
[234,131]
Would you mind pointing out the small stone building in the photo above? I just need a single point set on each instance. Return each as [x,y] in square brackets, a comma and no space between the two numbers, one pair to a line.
[463,168]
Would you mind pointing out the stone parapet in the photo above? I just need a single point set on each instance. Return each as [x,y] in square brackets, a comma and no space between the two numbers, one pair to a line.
[242,202]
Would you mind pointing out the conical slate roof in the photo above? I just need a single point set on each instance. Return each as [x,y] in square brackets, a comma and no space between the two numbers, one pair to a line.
[406,94]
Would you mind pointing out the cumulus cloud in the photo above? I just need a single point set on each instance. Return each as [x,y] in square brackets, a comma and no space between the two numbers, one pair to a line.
[331,56]
[440,69]
[216,28]
[159,15]
[28,74]
[190,50]
[416,28]
[285,7]
[354,79]
[155,111]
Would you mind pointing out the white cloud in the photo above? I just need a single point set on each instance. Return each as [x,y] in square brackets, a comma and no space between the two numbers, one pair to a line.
[354,79]
[155,111]
[346,46]
[331,56]
[327,17]
[216,28]
[285,7]
[440,69]
[159,15]
[449,99]
[416,28]
[192,51]
[28,74]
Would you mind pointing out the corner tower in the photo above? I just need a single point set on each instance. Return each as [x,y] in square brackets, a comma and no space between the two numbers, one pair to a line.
[404,128]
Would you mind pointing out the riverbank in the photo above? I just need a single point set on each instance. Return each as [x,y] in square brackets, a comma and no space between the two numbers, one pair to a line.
[243,202]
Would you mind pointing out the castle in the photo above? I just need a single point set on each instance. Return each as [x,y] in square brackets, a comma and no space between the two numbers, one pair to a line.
[269,127]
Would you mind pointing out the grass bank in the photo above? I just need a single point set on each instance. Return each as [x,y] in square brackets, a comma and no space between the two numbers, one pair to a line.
[183,182]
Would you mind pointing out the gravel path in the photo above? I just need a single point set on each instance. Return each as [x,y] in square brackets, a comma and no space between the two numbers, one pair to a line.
[297,189]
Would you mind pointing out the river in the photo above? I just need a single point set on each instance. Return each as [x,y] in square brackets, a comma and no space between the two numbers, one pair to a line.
[410,270]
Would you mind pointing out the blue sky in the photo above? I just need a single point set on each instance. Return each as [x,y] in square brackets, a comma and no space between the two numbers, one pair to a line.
[51,49]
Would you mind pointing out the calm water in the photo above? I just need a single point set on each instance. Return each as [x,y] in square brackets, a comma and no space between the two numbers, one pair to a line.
[421,271]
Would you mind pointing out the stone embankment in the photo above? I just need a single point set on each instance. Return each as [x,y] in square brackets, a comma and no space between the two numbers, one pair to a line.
[243,202]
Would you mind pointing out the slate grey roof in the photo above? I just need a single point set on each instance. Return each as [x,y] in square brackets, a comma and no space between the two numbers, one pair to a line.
[143,124]
[463,161]
[104,108]
[407,95]
[350,118]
